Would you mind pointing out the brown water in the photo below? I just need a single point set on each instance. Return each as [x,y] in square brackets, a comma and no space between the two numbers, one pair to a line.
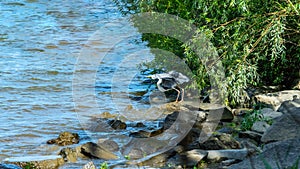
[40,45]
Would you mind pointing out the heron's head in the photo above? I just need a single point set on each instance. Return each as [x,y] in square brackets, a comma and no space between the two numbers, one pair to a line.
[152,76]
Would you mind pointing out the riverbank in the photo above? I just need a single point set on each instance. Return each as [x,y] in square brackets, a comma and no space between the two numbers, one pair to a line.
[271,130]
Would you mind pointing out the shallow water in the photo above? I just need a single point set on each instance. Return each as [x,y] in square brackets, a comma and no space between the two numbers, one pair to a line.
[41,44]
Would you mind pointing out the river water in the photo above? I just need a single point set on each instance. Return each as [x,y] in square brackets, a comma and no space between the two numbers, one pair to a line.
[42,44]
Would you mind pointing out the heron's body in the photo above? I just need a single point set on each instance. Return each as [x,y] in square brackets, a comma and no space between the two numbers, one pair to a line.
[170,81]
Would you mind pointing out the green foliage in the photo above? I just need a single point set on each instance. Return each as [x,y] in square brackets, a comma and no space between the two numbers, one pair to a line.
[127,157]
[256,40]
[29,165]
[251,117]
[104,165]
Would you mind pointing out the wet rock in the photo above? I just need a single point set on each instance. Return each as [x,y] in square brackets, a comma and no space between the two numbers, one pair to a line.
[94,150]
[219,155]
[269,113]
[283,154]
[99,125]
[9,166]
[220,141]
[89,165]
[117,124]
[146,134]
[38,162]
[107,115]
[65,138]
[252,135]
[260,126]
[275,99]
[285,127]
[139,124]
[108,144]
[68,154]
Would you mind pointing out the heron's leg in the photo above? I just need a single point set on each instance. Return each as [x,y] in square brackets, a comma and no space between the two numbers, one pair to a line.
[182,95]
[178,91]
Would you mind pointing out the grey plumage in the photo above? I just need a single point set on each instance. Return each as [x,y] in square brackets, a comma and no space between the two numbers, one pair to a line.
[171,81]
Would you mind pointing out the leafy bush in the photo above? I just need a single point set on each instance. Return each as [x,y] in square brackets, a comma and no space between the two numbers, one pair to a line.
[257,41]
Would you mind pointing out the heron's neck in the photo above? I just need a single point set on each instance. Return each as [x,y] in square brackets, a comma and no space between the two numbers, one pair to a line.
[159,85]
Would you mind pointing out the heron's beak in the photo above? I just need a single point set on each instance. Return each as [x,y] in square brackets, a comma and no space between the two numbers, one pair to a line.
[149,76]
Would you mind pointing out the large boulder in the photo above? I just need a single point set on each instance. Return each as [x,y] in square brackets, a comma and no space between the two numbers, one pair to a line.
[287,105]
[282,154]
[269,113]
[275,99]
[217,155]
[260,126]
[94,150]
[285,127]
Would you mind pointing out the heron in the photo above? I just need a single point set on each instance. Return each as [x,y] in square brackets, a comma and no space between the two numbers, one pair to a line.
[170,81]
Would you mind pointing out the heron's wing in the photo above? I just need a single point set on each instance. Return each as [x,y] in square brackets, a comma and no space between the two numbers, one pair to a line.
[164,75]
[179,77]
[168,83]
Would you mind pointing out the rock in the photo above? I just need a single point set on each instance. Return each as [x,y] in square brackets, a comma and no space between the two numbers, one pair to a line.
[156,161]
[252,147]
[94,150]
[269,113]
[69,154]
[287,105]
[140,124]
[260,126]
[193,157]
[217,155]
[9,166]
[108,144]
[99,125]
[220,141]
[227,115]
[188,158]
[65,138]
[146,134]
[170,119]
[107,115]
[117,124]
[282,155]
[229,162]
[201,117]
[274,100]
[252,135]
[38,162]
[296,84]
[227,130]
[89,165]
[285,127]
